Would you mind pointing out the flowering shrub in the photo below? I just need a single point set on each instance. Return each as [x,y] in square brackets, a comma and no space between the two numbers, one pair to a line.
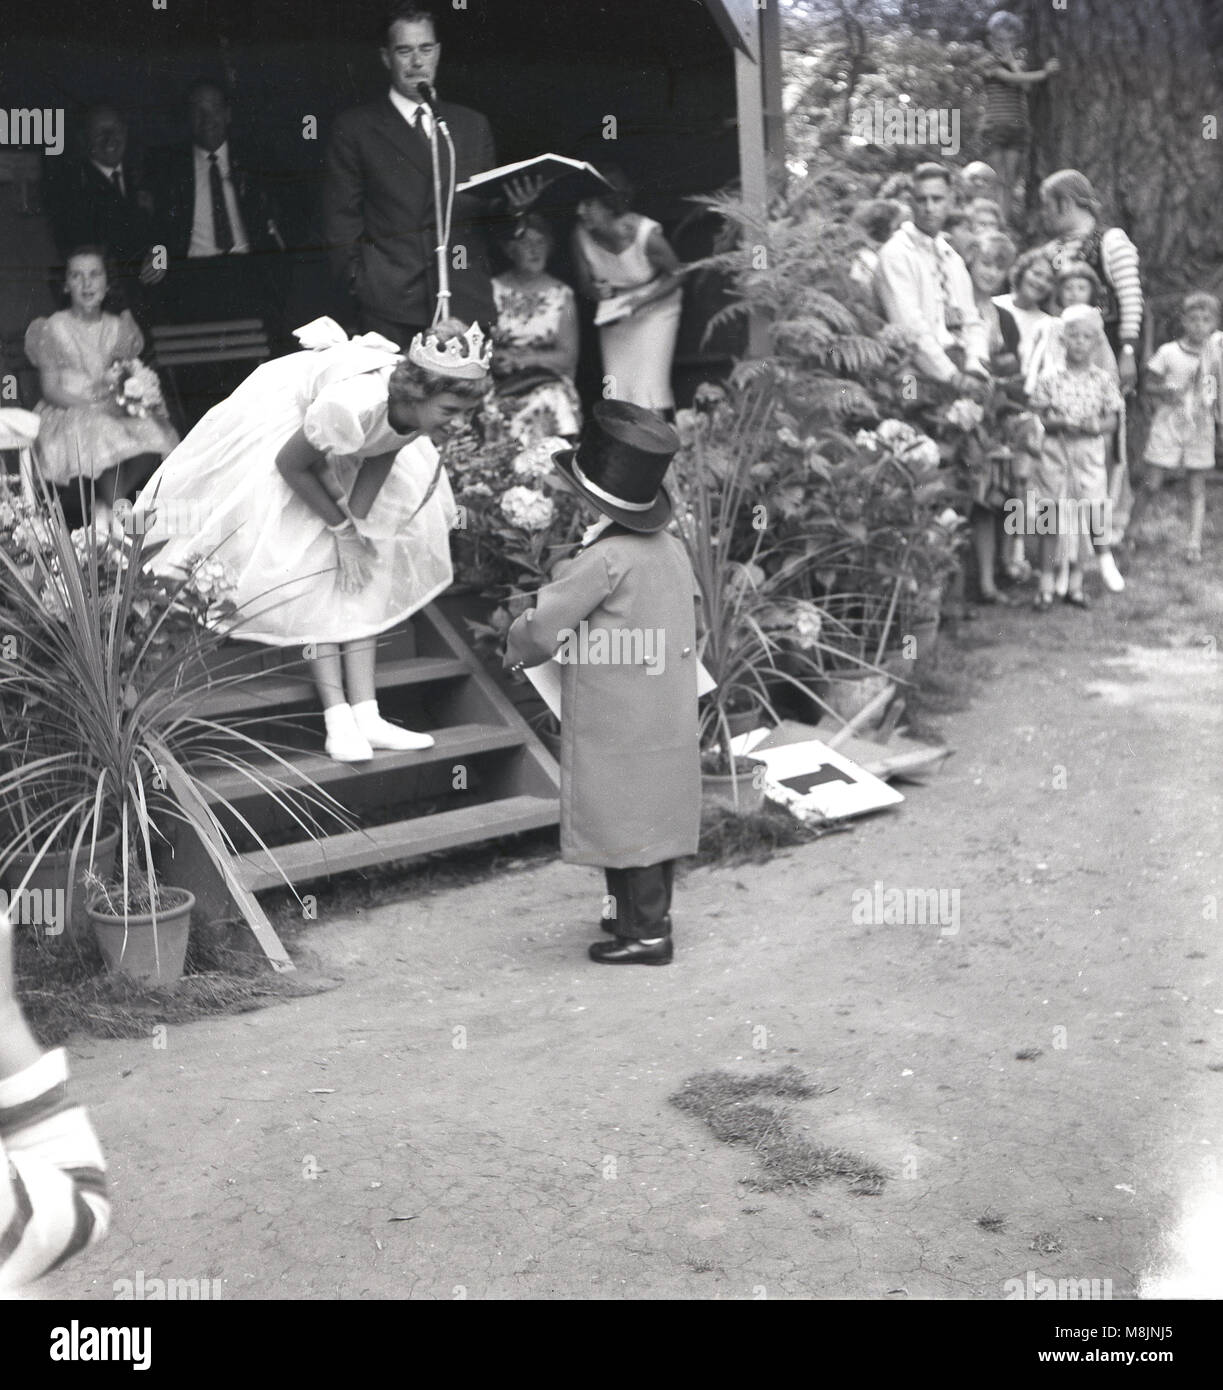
[512,525]
[527,508]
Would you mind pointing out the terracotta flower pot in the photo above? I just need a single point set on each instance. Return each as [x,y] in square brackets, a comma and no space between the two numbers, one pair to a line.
[847,693]
[137,948]
[722,789]
[55,873]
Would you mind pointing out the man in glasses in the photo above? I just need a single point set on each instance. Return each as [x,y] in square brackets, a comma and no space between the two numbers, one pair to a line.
[380,220]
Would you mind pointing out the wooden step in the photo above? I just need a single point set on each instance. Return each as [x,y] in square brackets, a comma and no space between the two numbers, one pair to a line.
[456,741]
[406,839]
[264,694]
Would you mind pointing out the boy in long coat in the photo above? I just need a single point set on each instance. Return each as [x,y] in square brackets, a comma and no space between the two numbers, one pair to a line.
[621,618]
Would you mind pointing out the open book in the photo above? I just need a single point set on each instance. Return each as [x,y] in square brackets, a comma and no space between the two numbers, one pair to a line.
[618,306]
[586,179]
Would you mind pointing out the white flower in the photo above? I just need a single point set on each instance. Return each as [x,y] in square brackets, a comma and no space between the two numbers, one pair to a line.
[965,414]
[866,439]
[477,490]
[525,507]
[535,462]
[808,624]
[897,434]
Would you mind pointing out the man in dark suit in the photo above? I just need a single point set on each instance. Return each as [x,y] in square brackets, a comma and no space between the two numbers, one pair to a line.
[98,199]
[216,220]
[218,225]
[379,216]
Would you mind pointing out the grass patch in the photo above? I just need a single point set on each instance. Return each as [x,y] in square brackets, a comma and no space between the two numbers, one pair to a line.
[64,988]
[727,1104]
[992,1221]
[728,837]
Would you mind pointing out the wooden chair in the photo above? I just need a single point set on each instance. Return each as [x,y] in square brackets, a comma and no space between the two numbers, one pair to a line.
[177,345]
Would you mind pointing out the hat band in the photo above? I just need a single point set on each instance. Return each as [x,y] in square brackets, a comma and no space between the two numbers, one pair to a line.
[609,497]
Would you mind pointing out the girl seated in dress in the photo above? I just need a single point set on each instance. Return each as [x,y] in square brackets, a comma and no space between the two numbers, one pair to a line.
[88,445]
[1078,404]
[318,484]
[624,258]
[535,342]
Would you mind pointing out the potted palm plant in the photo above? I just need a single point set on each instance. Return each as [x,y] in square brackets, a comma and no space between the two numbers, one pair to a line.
[759,633]
[102,670]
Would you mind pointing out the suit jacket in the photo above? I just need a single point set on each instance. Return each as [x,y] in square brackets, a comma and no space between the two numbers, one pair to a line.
[86,209]
[172,179]
[379,217]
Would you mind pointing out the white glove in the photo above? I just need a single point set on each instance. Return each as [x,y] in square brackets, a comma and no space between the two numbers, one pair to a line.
[355,555]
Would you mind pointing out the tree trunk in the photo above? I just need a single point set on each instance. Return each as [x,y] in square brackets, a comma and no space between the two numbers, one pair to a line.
[1137,107]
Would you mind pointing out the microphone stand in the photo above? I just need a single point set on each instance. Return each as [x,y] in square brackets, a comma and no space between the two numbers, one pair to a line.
[444,214]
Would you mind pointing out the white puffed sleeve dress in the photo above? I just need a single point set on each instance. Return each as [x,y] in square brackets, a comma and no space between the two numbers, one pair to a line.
[220,495]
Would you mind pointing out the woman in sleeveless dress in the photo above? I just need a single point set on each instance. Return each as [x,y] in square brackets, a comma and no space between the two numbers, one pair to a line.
[318,484]
[86,443]
[536,339]
[624,258]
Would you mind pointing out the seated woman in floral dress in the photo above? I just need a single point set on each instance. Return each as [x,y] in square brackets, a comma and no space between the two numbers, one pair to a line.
[535,350]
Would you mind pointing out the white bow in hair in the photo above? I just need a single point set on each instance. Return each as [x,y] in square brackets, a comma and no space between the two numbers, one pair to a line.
[326,333]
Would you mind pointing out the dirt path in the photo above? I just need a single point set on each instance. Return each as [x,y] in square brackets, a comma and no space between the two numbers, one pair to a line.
[476,1075]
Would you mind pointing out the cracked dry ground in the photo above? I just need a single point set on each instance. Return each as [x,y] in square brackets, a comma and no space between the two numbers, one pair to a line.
[1079,818]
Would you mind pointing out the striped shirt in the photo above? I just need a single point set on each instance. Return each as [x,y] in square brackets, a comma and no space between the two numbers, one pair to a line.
[1005,103]
[1114,258]
[53,1200]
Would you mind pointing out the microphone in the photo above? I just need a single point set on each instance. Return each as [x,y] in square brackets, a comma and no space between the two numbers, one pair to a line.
[426,95]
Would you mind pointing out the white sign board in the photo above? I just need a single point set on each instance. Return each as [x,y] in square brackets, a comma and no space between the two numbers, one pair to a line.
[816,782]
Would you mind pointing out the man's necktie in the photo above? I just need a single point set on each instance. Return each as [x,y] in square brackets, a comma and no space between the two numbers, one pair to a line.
[953,318]
[116,177]
[222,228]
[418,123]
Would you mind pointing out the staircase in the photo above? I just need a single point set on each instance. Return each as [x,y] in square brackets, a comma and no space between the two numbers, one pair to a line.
[487,775]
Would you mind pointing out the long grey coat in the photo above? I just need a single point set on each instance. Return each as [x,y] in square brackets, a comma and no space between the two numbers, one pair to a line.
[622,613]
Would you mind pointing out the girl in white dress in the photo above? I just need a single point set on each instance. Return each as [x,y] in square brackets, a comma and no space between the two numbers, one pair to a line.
[318,484]
[86,440]
[620,254]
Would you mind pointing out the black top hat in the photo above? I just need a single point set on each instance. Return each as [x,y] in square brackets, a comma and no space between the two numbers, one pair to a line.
[619,464]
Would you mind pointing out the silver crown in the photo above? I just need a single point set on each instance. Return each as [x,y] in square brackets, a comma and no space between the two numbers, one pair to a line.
[466,357]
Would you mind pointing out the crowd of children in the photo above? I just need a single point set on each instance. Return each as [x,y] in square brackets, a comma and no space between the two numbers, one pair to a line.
[1061,463]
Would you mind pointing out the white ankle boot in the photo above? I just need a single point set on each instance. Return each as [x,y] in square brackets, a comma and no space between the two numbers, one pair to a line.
[380,734]
[1110,574]
[345,742]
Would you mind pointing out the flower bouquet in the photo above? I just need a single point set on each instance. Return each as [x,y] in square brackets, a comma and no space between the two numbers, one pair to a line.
[134,388]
